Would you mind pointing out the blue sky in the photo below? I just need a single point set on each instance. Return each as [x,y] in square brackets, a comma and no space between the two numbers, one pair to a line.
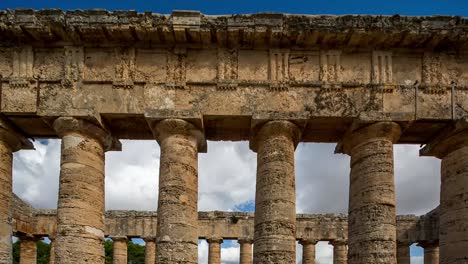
[388,7]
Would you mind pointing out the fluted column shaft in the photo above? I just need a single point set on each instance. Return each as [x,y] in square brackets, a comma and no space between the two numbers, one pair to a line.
[6,162]
[275,198]
[9,143]
[177,236]
[214,250]
[120,250]
[28,250]
[150,251]
[52,251]
[452,148]
[453,213]
[245,251]
[308,251]
[340,252]
[372,217]
[80,211]
[431,252]
[403,253]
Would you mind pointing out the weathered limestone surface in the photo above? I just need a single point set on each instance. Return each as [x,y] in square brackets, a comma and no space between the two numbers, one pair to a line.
[214,250]
[52,250]
[150,250]
[10,141]
[118,66]
[80,213]
[177,236]
[246,256]
[120,250]
[226,76]
[28,250]
[340,252]
[452,147]
[308,251]
[372,218]
[275,197]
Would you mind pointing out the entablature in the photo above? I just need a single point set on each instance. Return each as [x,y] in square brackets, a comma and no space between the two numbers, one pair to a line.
[121,66]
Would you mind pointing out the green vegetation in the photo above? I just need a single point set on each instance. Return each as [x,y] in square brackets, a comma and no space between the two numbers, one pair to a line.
[136,253]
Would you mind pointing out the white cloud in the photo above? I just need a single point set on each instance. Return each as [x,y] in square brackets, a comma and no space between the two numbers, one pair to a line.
[132,176]
[36,174]
[324,253]
[417,260]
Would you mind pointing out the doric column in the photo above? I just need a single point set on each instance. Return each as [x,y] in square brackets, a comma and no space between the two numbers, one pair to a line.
[431,252]
[52,250]
[372,218]
[340,252]
[275,198]
[214,250]
[452,147]
[120,250]
[28,250]
[403,253]
[245,250]
[308,251]
[150,250]
[80,210]
[177,236]
[10,142]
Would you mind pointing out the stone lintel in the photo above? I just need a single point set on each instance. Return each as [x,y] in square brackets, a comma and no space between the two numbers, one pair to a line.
[452,137]
[89,127]
[193,119]
[13,136]
[360,132]
[296,119]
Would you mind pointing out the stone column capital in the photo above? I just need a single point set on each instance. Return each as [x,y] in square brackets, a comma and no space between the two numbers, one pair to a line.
[404,243]
[451,138]
[428,244]
[308,241]
[12,137]
[275,128]
[357,135]
[119,238]
[70,125]
[338,242]
[169,127]
[218,240]
[149,239]
[245,240]
[27,237]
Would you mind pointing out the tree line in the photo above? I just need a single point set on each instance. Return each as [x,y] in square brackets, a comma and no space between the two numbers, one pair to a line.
[136,253]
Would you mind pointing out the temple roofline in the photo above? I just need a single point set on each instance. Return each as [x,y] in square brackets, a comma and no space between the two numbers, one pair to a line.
[101,27]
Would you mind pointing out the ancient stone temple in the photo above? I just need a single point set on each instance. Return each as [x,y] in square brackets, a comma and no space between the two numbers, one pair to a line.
[366,83]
